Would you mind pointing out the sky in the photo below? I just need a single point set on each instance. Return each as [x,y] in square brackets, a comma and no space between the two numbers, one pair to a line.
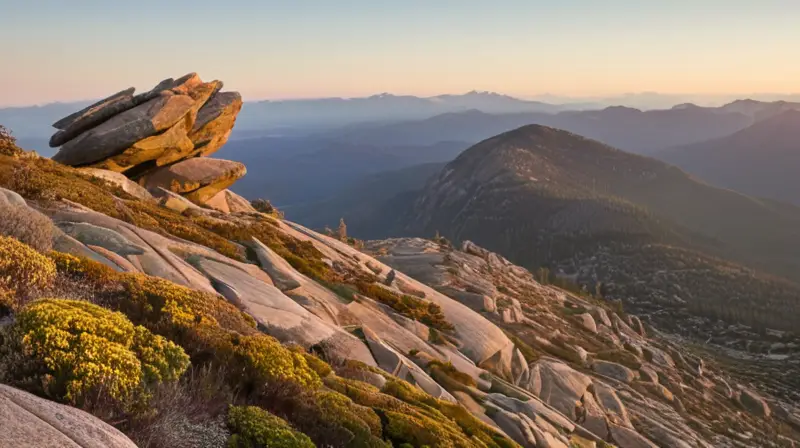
[57,50]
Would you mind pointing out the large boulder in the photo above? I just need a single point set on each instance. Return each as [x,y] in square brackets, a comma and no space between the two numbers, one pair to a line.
[30,421]
[119,180]
[123,130]
[198,179]
[227,201]
[614,370]
[558,385]
[89,117]
[754,403]
[215,121]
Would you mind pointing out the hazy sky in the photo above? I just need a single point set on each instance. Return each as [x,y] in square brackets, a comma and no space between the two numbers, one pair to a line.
[80,49]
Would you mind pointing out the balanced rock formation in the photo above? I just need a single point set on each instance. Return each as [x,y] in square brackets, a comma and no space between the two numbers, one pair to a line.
[156,138]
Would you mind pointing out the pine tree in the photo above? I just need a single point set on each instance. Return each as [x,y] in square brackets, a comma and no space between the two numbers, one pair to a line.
[341,232]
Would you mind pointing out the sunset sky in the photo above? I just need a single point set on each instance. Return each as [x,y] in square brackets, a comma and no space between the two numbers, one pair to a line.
[56,50]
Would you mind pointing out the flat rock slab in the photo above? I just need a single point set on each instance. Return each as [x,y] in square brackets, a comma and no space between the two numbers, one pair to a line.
[29,421]
[127,185]
[227,201]
[91,234]
[193,177]
[124,129]
[166,147]
[558,385]
[89,117]
[614,370]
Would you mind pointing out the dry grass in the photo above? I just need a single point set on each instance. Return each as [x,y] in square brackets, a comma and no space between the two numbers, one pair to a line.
[8,144]
[26,225]
[186,414]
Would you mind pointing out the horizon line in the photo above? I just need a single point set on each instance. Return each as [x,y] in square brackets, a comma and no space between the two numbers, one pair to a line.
[526,97]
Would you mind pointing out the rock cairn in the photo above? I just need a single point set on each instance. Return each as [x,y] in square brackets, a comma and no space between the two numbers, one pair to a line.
[160,138]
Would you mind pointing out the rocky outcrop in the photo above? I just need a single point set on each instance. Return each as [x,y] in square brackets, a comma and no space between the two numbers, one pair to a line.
[614,370]
[121,181]
[227,201]
[754,403]
[197,179]
[150,137]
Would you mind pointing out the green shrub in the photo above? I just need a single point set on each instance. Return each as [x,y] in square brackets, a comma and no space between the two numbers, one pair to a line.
[77,347]
[302,255]
[261,359]
[8,144]
[164,306]
[449,377]
[84,270]
[253,427]
[22,270]
[362,421]
[319,366]
[412,307]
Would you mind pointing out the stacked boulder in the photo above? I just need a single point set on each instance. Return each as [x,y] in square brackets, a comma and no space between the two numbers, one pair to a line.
[160,138]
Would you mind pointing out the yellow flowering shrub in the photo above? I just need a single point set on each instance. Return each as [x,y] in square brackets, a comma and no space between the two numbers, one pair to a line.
[253,427]
[159,303]
[78,346]
[314,362]
[162,360]
[261,359]
[362,421]
[21,269]
[83,269]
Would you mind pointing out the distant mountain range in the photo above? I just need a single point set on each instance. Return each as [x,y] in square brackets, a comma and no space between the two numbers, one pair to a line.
[629,129]
[761,160]
[303,116]
[329,113]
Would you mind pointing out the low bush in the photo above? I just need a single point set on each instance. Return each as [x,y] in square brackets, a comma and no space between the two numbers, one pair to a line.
[75,347]
[412,307]
[328,417]
[261,359]
[449,377]
[253,427]
[8,144]
[23,270]
[320,367]
[302,255]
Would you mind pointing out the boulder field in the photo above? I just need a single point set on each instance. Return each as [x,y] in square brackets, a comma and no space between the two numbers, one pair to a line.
[159,139]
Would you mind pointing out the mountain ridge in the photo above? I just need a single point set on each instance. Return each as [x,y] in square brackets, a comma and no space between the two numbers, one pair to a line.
[761,160]
[569,199]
